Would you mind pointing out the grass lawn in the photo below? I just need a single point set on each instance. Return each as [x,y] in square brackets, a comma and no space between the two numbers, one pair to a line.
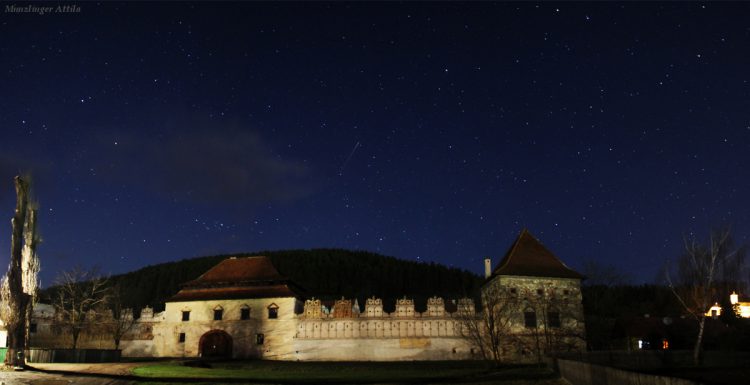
[352,372]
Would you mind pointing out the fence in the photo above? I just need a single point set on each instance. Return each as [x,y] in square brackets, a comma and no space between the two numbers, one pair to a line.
[584,373]
[72,355]
[657,359]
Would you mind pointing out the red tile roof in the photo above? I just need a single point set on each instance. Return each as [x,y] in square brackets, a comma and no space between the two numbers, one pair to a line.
[235,270]
[237,278]
[528,257]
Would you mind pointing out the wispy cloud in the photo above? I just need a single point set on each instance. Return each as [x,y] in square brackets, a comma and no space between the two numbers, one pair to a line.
[230,165]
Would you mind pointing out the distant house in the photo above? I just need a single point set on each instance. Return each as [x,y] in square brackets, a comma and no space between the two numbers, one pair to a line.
[741,309]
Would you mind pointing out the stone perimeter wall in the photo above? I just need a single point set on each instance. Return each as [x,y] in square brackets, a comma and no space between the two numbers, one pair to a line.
[345,334]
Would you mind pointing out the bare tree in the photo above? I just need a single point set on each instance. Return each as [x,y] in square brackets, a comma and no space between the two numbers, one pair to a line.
[598,274]
[487,330]
[560,325]
[699,272]
[78,296]
[20,284]
[122,318]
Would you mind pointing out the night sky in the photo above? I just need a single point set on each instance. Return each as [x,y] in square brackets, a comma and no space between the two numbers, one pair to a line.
[430,132]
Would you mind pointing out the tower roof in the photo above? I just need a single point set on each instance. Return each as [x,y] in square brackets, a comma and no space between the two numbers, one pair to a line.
[528,257]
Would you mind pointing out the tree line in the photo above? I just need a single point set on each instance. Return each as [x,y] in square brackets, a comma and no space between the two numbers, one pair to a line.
[322,273]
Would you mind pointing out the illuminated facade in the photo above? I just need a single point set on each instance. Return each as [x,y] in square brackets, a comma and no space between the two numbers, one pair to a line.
[741,309]
[244,308]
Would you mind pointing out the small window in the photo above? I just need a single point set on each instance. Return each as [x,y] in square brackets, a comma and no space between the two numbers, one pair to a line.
[218,314]
[259,338]
[186,315]
[529,319]
[539,291]
[245,313]
[513,291]
[553,319]
[32,328]
[566,292]
[273,311]
[182,338]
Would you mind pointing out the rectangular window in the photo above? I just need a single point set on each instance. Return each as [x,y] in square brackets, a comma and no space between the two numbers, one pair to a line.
[566,292]
[186,315]
[529,319]
[182,338]
[245,313]
[218,314]
[553,319]
[273,312]
[513,290]
[539,291]
[32,328]
[259,338]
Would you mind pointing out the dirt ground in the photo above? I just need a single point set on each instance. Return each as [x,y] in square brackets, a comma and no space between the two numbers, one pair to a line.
[30,377]
[118,368]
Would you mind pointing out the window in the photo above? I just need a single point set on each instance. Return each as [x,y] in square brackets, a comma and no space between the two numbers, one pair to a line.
[553,319]
[245,313]
[273,311]
[32,328]
[539,291]
[186,315]
[566,292]
[529,319]
[181,338]
[218,314]
[259,338]
[513,290]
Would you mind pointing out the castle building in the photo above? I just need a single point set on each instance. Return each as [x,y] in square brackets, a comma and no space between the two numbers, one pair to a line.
[540,298]
[244,308]
[241,307]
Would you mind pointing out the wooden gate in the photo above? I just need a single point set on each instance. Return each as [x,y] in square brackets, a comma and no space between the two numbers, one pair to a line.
[216,343]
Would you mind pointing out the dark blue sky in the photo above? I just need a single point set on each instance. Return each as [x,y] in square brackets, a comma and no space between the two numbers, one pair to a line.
[435,132]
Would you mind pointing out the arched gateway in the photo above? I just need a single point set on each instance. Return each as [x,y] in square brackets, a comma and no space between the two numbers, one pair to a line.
[215,343]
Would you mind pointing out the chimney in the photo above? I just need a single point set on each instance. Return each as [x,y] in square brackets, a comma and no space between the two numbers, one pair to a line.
[487,267]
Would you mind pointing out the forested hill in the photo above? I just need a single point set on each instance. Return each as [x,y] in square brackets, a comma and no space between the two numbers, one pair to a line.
[323,273]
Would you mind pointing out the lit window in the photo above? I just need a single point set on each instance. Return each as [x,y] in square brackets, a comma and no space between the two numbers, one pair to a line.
[186,315]
[259,338]
[245,313]
[529,319]
[182,338]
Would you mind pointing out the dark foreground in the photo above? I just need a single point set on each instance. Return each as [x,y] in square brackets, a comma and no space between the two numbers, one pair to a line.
[265,372]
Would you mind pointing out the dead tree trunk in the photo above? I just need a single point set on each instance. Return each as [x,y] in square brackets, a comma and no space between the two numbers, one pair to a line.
[18,300]
[30,266]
